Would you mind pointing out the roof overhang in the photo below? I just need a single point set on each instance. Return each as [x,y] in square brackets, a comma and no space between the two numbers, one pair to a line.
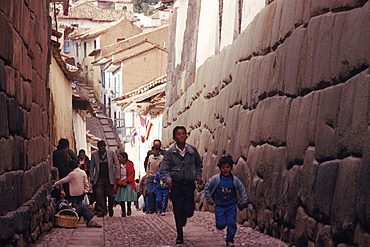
[151,101]
[82,103]
[112,67]
[101,61]
[94,52]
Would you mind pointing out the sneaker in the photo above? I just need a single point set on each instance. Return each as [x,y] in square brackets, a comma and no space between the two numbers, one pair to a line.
[92,223]
[163,214]
[229,244]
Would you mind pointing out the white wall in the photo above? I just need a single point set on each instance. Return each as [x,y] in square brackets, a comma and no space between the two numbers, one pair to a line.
[208,35]
[250,9]
[182,10]
[79,128]
[230,24]
[81,22]
[137,152]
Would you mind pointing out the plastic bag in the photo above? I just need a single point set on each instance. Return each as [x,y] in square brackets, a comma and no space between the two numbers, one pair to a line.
[85,201]
[141,202]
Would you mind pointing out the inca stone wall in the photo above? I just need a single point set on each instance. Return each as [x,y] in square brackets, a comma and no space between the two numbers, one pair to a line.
[290,101]
[24,123]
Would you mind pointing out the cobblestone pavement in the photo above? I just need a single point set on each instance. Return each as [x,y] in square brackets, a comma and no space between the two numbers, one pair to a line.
[152,230]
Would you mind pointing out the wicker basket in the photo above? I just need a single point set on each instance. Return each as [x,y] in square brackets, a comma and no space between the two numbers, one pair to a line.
[66,221]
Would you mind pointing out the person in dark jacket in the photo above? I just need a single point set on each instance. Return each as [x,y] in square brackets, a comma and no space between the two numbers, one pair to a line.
[61,157]
[104,172]
[181,167]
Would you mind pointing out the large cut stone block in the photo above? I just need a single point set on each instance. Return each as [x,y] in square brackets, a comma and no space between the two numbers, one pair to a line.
[4,130]
[307,173]
[15,117]
[243,139]
[343,211]
[11,185]
[355,42]
[34,179]
[305,228]
[276,82]
[324,189]
[11,79]
[297,132]
[327,121]
[321,66]
[363,192]
[265,75]
[27,95]
[246,86]
[6,41]
[289,197]
[309,48]
[324,235]
[275,30]
[353,120]
[268,14]
[270,121]
[292,47]
[239,85]
[255,79]
[335,63]
[288,18]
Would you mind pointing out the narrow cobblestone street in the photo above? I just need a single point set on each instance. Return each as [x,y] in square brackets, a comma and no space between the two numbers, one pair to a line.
[152,230]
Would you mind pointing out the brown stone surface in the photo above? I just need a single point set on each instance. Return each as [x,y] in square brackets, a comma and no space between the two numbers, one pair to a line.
[152,230]
[297,79]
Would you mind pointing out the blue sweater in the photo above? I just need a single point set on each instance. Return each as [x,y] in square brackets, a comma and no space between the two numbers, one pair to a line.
[214,182]
[159,184]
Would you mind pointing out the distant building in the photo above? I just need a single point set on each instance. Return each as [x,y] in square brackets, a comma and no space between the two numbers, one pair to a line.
[84,46]
[88,15]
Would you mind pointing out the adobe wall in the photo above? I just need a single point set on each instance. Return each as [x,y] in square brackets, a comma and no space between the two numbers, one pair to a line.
[290,101]
[25,210]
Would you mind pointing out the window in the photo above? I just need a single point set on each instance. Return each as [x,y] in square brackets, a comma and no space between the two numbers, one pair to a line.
[67,47]
[77,51]
[114,84]
[102,75]
[85,49]
[94,44]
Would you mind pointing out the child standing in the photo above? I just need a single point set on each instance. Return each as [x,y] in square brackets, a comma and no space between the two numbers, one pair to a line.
[153,167]
[161,190]
[222,189]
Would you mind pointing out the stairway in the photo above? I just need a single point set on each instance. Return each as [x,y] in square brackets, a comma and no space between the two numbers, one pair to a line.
[100,126]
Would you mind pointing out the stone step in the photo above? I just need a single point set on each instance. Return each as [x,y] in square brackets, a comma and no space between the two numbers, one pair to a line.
[109,135]
[104,121]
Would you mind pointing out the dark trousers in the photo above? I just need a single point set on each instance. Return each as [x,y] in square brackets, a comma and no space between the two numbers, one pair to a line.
[76,200]
[104,189]
[182,195]
[151,194]
[85,212]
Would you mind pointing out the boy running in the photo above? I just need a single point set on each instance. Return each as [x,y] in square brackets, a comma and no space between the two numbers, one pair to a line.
[222,190]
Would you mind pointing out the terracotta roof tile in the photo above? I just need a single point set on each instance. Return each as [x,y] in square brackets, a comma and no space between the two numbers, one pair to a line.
[96,14]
